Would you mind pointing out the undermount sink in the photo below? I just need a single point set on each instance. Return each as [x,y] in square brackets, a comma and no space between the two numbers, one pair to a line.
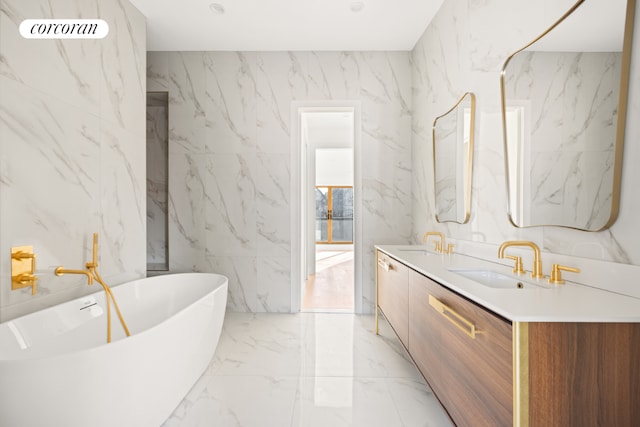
[493,279]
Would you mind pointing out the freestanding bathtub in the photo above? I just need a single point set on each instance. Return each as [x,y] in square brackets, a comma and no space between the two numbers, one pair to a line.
[56,368]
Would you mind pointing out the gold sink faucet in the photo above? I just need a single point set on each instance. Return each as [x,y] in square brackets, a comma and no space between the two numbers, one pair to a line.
[537,263]
[440,244]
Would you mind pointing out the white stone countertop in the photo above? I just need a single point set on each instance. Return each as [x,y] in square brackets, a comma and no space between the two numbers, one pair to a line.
[569,302]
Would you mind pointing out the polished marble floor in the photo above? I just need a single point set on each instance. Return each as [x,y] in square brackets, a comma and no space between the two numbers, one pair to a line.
[308,369]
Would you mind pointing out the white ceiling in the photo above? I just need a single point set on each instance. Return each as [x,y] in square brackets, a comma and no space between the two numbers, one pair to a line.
[278,25]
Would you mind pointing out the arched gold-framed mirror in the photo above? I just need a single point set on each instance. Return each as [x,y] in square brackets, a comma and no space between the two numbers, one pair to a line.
[453,135]
[564,103]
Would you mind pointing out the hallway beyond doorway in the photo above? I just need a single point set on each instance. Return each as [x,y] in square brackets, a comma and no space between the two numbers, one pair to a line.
[331,289]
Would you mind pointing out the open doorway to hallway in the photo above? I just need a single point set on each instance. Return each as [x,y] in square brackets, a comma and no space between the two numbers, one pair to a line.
[331,287]
[328,141]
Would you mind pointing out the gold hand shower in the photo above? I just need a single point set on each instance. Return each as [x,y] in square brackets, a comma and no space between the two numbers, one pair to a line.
[92,273]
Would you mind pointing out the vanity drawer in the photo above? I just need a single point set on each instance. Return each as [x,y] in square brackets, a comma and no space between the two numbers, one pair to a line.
[393,294]
[464,352]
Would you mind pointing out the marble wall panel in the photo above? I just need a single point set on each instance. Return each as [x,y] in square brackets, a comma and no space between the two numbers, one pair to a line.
[231,101]
[122,205]
[274,284]
[386,153]
[230,189]
[187,164]
[282,78]
[333,75]
[497,28]
[273,219]
[242,273]
[247,114]
[187,102]
[72,149]
[68,70]
[187,218]
[50,189]
[157,72]
[122,55]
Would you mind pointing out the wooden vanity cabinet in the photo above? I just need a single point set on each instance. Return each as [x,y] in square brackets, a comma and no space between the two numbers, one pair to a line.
[584,374]
[489,371]
[393,294]
[464,353]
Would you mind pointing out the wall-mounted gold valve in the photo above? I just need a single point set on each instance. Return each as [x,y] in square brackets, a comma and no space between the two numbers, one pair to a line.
[23,268]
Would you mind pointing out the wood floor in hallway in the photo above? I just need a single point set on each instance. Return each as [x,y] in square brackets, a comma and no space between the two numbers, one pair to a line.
[331,288]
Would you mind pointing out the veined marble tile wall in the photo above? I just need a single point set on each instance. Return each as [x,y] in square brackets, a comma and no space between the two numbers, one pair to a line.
[229,159]
[463,49]
[72,149]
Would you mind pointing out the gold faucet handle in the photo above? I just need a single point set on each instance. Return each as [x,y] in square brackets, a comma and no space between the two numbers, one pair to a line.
[556,275]
[22,255]
[518,269]
[450,247]
[26,278]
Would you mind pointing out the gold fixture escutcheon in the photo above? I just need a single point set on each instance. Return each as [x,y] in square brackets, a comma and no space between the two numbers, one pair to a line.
[23,268]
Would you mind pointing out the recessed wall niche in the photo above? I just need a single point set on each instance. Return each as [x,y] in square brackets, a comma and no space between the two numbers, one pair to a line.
[157,181]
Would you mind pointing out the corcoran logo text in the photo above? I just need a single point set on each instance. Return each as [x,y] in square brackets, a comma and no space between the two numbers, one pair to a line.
[64,28]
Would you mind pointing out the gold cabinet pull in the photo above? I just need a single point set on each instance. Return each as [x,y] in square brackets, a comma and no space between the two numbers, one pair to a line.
[385,265]
[450,314]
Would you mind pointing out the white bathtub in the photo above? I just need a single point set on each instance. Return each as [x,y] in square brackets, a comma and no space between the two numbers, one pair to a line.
[57,370]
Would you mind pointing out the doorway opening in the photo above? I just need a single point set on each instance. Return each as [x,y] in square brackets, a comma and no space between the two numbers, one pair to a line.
[328,226]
